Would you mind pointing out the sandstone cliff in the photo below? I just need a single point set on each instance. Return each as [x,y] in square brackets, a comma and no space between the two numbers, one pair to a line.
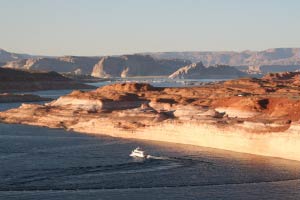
[117,66]
[72,64]
[163,64]
[198,71]
[135,65]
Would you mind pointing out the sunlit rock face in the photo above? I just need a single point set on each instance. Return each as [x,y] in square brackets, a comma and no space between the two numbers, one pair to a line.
[159,64]
[199,71]
[259,116]
[111,66]
[135,65]
[67,64]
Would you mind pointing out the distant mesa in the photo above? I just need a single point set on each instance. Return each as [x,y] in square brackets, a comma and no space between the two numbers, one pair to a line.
[275,56]
[101,67]
[71,64]
[198,70]
[6,56]
[253,63]
[135,65]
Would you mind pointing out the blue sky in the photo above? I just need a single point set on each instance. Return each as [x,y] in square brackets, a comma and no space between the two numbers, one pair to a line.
[99,27]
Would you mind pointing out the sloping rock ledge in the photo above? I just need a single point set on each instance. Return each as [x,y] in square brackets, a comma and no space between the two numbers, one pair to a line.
[257,116]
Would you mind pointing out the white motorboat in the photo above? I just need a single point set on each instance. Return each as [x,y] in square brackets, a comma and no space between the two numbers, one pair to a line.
[138,153]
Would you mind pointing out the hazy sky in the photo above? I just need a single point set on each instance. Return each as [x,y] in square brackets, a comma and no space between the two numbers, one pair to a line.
[101,27]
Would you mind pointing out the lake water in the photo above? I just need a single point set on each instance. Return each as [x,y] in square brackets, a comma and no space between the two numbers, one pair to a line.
[41,163]
[161,82]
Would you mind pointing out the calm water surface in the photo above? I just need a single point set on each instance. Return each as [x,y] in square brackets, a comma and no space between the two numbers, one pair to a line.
[160,82]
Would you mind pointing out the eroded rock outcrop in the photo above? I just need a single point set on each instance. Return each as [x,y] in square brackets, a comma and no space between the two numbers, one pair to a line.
[101,67]
[135,65]
[245,115]
[199,71]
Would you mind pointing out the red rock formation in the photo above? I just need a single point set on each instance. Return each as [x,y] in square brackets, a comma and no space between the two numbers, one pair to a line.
[247,115]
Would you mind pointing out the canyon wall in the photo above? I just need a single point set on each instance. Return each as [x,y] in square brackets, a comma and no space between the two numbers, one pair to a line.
[135,65]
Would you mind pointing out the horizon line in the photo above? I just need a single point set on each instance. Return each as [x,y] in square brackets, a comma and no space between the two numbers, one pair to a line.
[148,52]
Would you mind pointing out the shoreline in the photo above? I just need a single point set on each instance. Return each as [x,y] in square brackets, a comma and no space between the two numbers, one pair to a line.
[284,145]
[281,145]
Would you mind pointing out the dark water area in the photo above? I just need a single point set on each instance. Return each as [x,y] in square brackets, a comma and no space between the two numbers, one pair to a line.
[41,163]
